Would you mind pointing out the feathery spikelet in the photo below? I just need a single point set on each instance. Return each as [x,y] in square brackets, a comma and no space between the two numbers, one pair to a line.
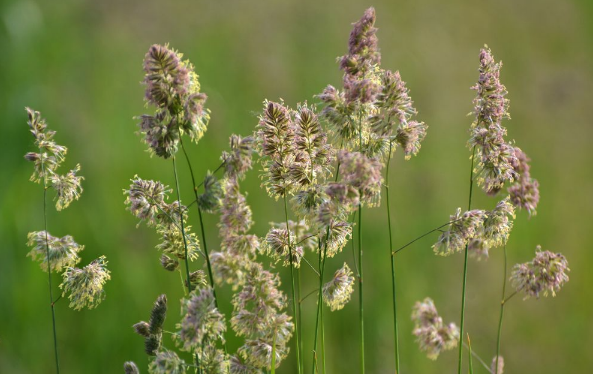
[307,201]
[497,225]
[338,113]
[67,187]
[131,368]
[63,252]
[146,200]
[210,200]
[239,366]
[275,137]
[394,103]
[213,360]
[52,154]
[395,106]
[337,292]
[545,274]
[362,173]
[168,263]
[462,229]
[339,233]
[258,316]
[496,157]
[86,285]
[312,154]
[409,135]
[278,243]
[238,161]
[173,88]
[363,51]
[201,323]
[173,243]
[167,362]
[525,191]
[235,214]
[153,331]
[432,336]
[142,328]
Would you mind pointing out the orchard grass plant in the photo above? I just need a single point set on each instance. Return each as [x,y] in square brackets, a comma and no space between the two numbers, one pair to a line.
[327,163]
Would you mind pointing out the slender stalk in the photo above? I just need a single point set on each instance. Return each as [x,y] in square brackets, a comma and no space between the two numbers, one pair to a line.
[471,185]
[51,297]
[360,298]
[294,305]
[502,302]
[469,356]
[360,293]
[322,333]
[300,314]
[425,234]
[395,326]
[193,179]
[477,357]
[182,282]
[182,225]
[322,258]
[319,314]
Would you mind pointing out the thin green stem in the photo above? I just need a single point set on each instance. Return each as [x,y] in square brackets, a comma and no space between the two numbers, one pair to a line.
[182,282]
[322,322]
[322,258]
[293,294]
[360,293]
[509,297]
[392,254]
[502,302]
[471,186]
[471,366]
[51,297]
[300,313]
[195,189]
[477,357]
[182,225]
[425,234]
[319,315]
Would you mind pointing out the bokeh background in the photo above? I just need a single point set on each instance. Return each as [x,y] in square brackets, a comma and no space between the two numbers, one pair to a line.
[79,63]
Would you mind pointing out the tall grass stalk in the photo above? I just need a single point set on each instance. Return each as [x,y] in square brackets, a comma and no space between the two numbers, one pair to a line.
[51,297]
[322,257]
[188,281]
[502,302]
[195,189]
[392,254]
[360,293]
[293,293]
[471,185]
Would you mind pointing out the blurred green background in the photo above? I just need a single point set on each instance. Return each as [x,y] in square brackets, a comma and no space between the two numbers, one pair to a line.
[79,63]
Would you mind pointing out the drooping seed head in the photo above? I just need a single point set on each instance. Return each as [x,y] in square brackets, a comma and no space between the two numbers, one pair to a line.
[337,292]
[85,285]
[545,274]
[63,252]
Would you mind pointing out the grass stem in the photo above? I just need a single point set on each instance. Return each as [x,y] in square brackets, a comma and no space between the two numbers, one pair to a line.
[207,256]
[51,297]
[471,185]
[502,302]
[293,293]
[392,254]
[182,225]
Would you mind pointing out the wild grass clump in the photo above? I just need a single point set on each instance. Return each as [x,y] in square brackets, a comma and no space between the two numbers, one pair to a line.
[327,164]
